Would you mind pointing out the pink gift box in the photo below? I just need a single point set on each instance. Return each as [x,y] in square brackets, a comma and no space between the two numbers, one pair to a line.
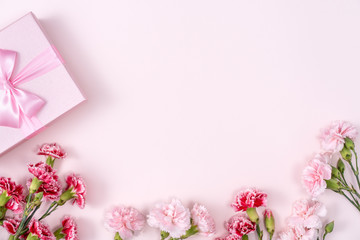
[52,91]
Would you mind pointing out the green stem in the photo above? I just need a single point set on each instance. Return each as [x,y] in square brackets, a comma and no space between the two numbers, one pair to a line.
[355,173]
[258,231]
[357,166]
[324,236]
[353,203]
[344,182]
[23,220]
[51,209]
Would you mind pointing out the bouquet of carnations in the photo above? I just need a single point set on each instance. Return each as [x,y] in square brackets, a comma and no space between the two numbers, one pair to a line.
[19,213]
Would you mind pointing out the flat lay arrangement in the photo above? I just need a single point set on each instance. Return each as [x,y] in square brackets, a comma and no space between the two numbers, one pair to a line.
[179,120]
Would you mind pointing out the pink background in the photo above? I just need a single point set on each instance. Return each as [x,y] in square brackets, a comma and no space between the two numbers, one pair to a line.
[197,99]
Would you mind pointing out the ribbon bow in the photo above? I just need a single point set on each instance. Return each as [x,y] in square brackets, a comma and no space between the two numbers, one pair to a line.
[18,108]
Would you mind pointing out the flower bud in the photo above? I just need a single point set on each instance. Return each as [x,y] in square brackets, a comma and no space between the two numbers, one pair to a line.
[329,227]
[335,173]
[164,234]
[66,196]
[3,211]
[58,234]
[346,154]
[333,184]
[117,236]
[50,161]
[4,198]
[269,222]
[37,199]
[35,184]
[341,165]
[253,216]
[349,143]
[32,237]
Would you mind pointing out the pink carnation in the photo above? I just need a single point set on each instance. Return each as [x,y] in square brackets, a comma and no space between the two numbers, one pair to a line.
[16,193]
[125,221]
[53,150]
[77,184]
[314,176]
[43,172]
[11,225]
[249,198]
[41,230]
[69,229]
[333,138]
[240,225]
[171,217]
[306,214]
[203,220]
[323,157]
[298,233]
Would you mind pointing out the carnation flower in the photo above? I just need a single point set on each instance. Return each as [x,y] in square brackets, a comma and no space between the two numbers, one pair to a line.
[298,233]
[51,191]
[11,225]
[53,150]
[203,220]
[40,230]
[314,176]
[69,229]
[307,213]
[333,137]
[240,225]
[15,192]
[76,189]
[125,221]
[43,172]
[323,157]
[171,217]
[249,198]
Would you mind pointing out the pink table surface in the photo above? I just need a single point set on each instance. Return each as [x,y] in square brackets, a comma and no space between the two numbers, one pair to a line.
[197,99]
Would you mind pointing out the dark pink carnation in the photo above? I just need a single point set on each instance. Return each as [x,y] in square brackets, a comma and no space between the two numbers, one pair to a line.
[51,190]
[16,193]
[69,229]
[53,150]
[77,184]
[41,230]
[250,198]
[11,225]
[240,225]
[43,172]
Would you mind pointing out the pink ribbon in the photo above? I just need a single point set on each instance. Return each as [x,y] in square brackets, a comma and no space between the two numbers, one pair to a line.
[18,108]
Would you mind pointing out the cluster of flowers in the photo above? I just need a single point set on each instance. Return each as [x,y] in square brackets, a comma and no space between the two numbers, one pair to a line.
[305,222]
[337,141]
[247,221]
[43,186]
[174,220]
